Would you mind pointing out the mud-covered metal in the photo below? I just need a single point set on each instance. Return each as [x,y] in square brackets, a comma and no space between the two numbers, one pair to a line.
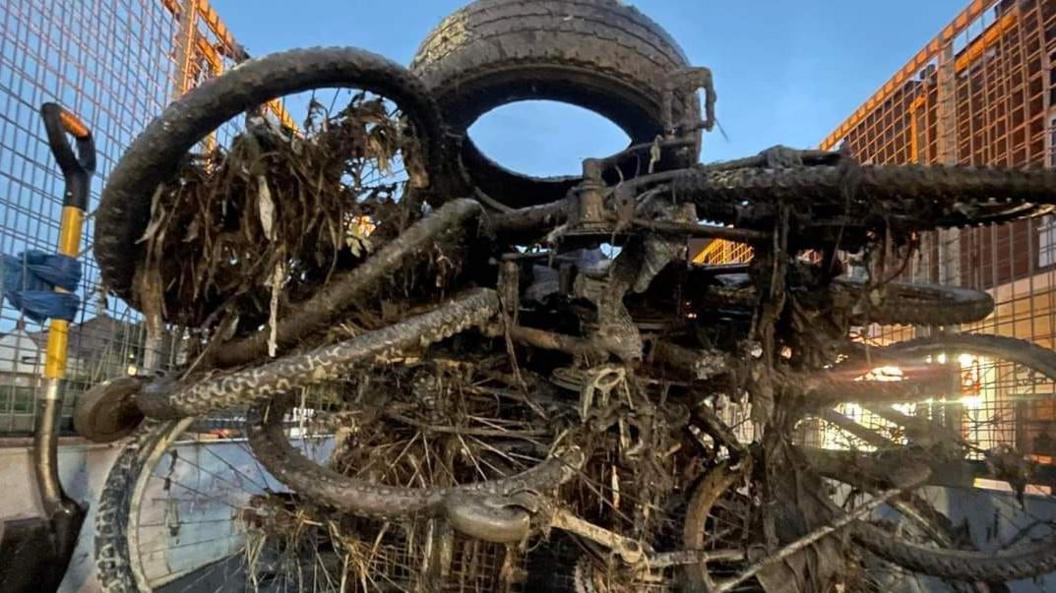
[286,374]
[543,356]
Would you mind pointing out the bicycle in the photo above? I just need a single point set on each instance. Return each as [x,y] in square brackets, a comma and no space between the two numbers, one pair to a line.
[588,388]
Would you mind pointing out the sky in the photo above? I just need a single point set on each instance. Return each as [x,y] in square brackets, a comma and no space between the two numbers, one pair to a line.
[786,72]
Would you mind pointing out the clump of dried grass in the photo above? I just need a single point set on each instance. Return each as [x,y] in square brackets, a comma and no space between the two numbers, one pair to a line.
[279,205]
[293,545]
[467,405]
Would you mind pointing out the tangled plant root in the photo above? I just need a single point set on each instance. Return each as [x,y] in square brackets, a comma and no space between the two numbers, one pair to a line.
[305,201]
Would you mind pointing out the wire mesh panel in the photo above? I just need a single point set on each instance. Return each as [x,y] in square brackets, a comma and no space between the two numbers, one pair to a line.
[116,64]
[719,251]
[981,93]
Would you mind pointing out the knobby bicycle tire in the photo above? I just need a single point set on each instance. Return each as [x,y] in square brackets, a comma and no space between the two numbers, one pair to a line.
[946,194]
[369,499]
[1006,565]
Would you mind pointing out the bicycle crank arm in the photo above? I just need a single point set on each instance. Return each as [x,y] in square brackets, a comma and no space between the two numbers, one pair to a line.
[629,550]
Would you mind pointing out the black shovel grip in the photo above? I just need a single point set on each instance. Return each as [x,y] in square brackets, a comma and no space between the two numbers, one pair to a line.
[77,169]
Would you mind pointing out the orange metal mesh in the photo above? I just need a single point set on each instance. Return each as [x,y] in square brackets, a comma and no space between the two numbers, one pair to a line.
[982,93]
[719,251]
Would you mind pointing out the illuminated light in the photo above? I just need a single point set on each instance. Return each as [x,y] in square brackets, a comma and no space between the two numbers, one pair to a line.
[133,370]
[885,373]
[942,358]
[364,224]
[1001,486]
[907,409]
[991,484]
[966,360]
[972,402]
[851,410]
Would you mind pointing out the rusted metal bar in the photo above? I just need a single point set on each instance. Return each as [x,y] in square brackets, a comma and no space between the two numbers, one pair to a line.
[701,231]
[535,219]
[848,425]
[826,391]
[698,363]
[821,532]
[553,341]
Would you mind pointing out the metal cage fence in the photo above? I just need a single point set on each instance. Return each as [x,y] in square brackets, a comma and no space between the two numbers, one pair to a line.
[116,64]
[983,92]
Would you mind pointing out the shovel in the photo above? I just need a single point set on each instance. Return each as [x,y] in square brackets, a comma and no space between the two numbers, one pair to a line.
[35,553]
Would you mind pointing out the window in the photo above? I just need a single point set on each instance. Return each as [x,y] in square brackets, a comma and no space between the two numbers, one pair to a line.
[1047,242]
[1052,140]
[1052,79]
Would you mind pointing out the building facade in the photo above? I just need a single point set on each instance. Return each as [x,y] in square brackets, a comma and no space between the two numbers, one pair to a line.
[981,93]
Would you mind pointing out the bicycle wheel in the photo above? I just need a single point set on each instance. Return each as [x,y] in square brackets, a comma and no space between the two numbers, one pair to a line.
[908,197]
[906,303]
[440,434]
[274,542]
[183,512]
[305,197]
[724,518]
[263,382]
[966,436]
[896,303]
[915,517]
[715,524]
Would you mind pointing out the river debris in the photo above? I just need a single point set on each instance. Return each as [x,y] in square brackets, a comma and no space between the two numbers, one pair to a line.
[555,397]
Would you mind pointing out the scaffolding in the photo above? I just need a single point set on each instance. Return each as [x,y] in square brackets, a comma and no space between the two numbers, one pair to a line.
[116,64]
[982,92]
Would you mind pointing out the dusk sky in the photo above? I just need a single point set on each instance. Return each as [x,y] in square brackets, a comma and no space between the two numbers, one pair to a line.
[785,72]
